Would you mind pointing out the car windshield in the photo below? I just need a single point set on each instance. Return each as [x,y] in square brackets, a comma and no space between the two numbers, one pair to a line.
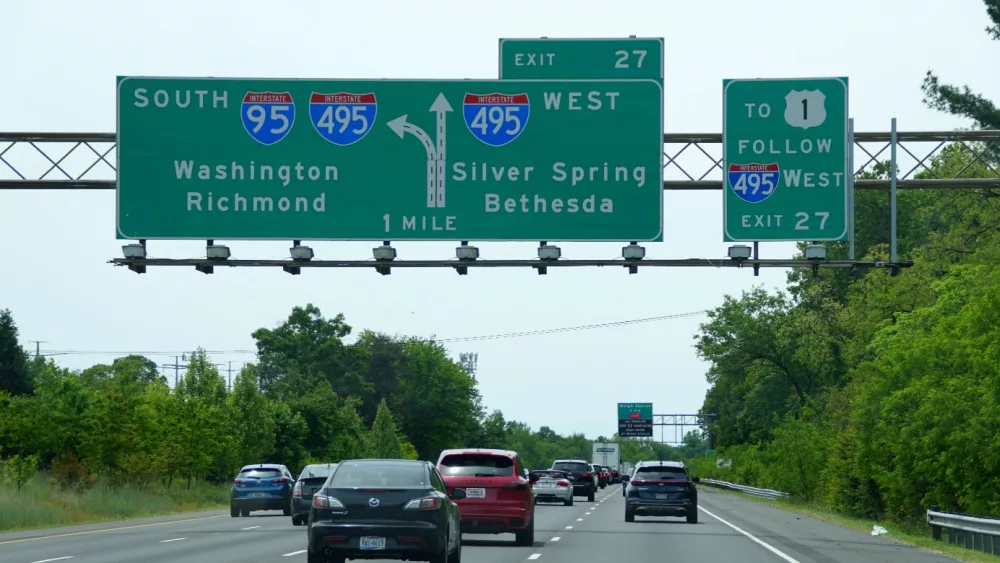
[379,475]
[312,471]
[661,474]
[259,473]
[571,466]
[477,465]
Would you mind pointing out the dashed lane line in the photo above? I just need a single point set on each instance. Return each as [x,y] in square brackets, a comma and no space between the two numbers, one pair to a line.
[173,540]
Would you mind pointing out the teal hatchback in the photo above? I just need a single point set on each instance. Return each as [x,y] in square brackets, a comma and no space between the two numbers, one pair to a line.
[262,486]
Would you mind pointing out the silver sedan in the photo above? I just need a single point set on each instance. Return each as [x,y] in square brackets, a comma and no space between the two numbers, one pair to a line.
[553,486]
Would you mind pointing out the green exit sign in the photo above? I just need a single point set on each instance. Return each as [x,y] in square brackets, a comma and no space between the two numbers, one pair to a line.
[640,411]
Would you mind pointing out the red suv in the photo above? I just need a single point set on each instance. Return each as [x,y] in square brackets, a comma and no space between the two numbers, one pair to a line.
[498,497]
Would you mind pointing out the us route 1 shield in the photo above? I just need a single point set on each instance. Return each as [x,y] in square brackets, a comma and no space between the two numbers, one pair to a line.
[786,159]
[502,160]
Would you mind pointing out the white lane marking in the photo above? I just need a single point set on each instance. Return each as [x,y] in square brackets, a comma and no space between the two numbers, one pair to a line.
[557,538]
[252,528]
[534,556]
[586,514]
[175,539]
[579,519]
[53,559]
[763,544]
[294,553]
[569,527]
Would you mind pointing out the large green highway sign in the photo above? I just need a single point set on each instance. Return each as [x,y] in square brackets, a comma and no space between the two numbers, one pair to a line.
[510,160]
[616,58]
[635,420]
[785,149]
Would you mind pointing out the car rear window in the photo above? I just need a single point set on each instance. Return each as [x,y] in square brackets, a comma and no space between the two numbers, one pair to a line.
[550,474]
[259,473]
[376,475]
[477,465]
[569,466]
[661,474]
[312,471]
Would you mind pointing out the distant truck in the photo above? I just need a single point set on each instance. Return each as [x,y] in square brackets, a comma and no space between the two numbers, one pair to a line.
[607,453]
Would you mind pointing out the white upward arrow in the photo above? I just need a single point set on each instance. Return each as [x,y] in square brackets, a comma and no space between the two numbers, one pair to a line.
[400,126]
[441,107]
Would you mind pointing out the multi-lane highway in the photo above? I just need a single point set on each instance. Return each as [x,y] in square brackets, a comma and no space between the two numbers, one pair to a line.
[730,529]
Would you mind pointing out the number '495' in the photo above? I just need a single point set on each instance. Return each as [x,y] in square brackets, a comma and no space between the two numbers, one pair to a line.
[754,181]
[490,119]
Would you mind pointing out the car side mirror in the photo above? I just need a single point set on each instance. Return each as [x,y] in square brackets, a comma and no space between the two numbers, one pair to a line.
[457,494]
[532,479]
[696,479]
[625,479]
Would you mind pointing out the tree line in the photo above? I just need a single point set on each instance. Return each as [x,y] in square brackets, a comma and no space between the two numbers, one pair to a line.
[875,394]
[310,397]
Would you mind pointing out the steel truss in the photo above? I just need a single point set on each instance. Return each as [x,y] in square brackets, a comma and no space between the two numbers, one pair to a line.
[680,422]
[692,161]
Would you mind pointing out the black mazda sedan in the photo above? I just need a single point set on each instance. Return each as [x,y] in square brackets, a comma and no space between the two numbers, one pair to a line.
[385,509]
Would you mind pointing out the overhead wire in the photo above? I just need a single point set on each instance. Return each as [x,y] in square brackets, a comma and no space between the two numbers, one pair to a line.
[484,337]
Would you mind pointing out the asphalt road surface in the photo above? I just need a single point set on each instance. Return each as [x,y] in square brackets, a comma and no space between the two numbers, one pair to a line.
[730,530]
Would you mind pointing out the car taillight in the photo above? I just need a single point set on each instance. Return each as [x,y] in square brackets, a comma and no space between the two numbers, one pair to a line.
[239,481]
[325,501]
[297,491]
[281,480]
[425,503]
[563,483]
[515,485]
[587,475]
[638,482]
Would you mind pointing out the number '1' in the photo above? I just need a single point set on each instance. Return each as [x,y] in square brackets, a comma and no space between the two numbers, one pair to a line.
[805,110]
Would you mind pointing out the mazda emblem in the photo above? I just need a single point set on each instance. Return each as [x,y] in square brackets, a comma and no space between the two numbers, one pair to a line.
[373,502]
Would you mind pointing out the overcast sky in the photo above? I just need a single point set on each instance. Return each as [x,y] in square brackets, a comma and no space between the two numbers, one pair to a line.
[62,57]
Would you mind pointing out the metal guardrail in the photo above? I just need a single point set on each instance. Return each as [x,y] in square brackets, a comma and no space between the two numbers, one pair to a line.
[752,491]
[971,532]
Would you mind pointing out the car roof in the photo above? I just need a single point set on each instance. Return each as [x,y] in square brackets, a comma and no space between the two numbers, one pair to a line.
[262,466]
[376,461]
[482,451]
[570,461]
[679,464]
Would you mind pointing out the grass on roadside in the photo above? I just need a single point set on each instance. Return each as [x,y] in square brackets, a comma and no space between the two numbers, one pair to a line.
[915,535]
[40,504]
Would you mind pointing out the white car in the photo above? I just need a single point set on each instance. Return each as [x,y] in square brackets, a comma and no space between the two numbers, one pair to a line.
[553,486]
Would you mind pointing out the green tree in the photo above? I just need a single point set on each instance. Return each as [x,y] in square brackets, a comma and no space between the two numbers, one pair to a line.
[383,438]
[251,423]
[15,378]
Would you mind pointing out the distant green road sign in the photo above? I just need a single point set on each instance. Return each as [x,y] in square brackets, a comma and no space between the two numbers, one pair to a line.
[269,159]
[635,420]
[785,159]
[613,58]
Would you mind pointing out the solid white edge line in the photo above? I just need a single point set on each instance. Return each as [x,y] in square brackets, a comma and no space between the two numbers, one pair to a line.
[294,553]
[53,559]
[534,556]
[762,543]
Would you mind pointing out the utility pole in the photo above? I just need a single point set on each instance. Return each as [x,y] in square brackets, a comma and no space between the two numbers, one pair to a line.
[229,385]
[177,369]
[38,346]
[469,361]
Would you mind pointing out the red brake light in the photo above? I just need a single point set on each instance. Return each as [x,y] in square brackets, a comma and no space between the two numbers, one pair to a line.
[638,482]
[426,503]
[515,486]
[281,480]
[297,491]
[238,481]
[563,483]
[587,475]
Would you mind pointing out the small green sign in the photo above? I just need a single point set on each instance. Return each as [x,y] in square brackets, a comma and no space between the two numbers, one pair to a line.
[274,159]
[635,410]
[785,151]
[613,58]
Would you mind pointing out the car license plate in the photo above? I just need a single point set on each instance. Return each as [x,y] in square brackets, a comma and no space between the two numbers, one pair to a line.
[545,484]
[372,543]
[475,493]
[256,495]
[662,496]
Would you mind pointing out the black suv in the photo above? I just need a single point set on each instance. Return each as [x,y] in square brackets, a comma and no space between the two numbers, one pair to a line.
[581,474]
[661,488]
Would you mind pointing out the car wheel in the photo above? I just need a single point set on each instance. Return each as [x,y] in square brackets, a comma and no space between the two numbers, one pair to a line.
[526,537]
[590,495]
[297,521]
[456,556]
[287,511]
[315,557]
[244,513]
[569,501]
[629,516]
[692,516]
[234,512]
